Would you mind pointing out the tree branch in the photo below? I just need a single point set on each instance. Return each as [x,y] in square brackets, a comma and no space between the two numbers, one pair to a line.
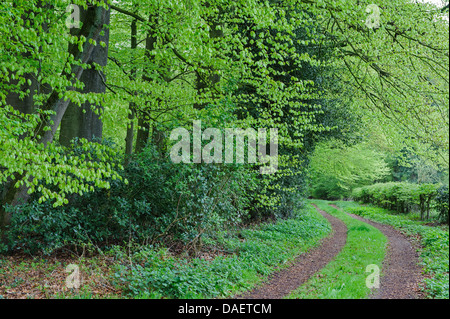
[128,13]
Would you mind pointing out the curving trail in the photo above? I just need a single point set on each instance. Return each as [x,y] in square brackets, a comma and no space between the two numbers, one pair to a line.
[305,266]
[402,273]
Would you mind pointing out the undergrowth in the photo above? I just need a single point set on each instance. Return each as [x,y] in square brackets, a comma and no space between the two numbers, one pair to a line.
[254,254]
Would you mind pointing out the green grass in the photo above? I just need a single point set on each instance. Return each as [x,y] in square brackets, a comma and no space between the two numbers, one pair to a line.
[257,253]
[345,277]
[434,241]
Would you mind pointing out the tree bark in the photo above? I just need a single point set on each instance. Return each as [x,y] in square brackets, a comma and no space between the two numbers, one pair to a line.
[205,80]
[84,122]
[129,141]
[144,128]
[24,105]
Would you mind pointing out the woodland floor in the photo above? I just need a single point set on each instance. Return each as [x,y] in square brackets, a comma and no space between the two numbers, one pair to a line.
[22,278]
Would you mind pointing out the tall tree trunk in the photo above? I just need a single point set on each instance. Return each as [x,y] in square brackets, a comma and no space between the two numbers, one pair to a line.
[84,122]
[144,128]
[129,141]
[159,141]
[14,196]
[24,105]
[205,80]
[143,133]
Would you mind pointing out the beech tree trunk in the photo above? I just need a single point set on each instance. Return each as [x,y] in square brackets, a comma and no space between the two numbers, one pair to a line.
[144,128]
[205,80]
[129,141]
[84,122]
[14,196]
[25,105]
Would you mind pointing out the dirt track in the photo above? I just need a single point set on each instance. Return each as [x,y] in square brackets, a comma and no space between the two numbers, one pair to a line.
[305,266]
[401,273]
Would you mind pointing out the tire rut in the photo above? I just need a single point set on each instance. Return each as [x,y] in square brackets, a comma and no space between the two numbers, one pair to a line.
[401,274]
[305,266]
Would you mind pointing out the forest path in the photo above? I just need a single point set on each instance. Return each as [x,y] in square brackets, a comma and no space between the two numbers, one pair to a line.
[306,265]
[401,271]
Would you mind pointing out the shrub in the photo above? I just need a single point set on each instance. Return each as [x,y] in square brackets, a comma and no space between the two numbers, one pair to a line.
[400,197]
[161,201]
[184,201]
[442,203]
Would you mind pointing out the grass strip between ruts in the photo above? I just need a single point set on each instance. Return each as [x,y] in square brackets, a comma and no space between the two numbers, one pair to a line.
[434,252]
[348,275]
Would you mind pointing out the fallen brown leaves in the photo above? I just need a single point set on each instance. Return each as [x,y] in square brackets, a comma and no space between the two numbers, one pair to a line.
[25,277]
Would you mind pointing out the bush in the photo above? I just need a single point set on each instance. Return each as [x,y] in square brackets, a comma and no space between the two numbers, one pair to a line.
[442,203]
[161,201]
[400,197]
[185,201]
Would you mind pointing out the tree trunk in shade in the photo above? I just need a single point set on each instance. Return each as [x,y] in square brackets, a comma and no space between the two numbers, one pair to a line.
[92,28]
[129,141]
[84,122]
[209,79]
[144,128]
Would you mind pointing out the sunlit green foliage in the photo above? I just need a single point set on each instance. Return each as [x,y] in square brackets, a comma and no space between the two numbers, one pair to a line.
[399,69]
[336,169]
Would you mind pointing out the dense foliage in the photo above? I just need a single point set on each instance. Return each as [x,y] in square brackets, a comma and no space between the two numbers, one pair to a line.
[442,203]
[333,82]
[162,201]
[337,169]
[400,197]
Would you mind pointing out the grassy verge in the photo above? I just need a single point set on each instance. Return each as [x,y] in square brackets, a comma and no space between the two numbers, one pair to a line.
[253,255]
[345,277]
[434,241]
